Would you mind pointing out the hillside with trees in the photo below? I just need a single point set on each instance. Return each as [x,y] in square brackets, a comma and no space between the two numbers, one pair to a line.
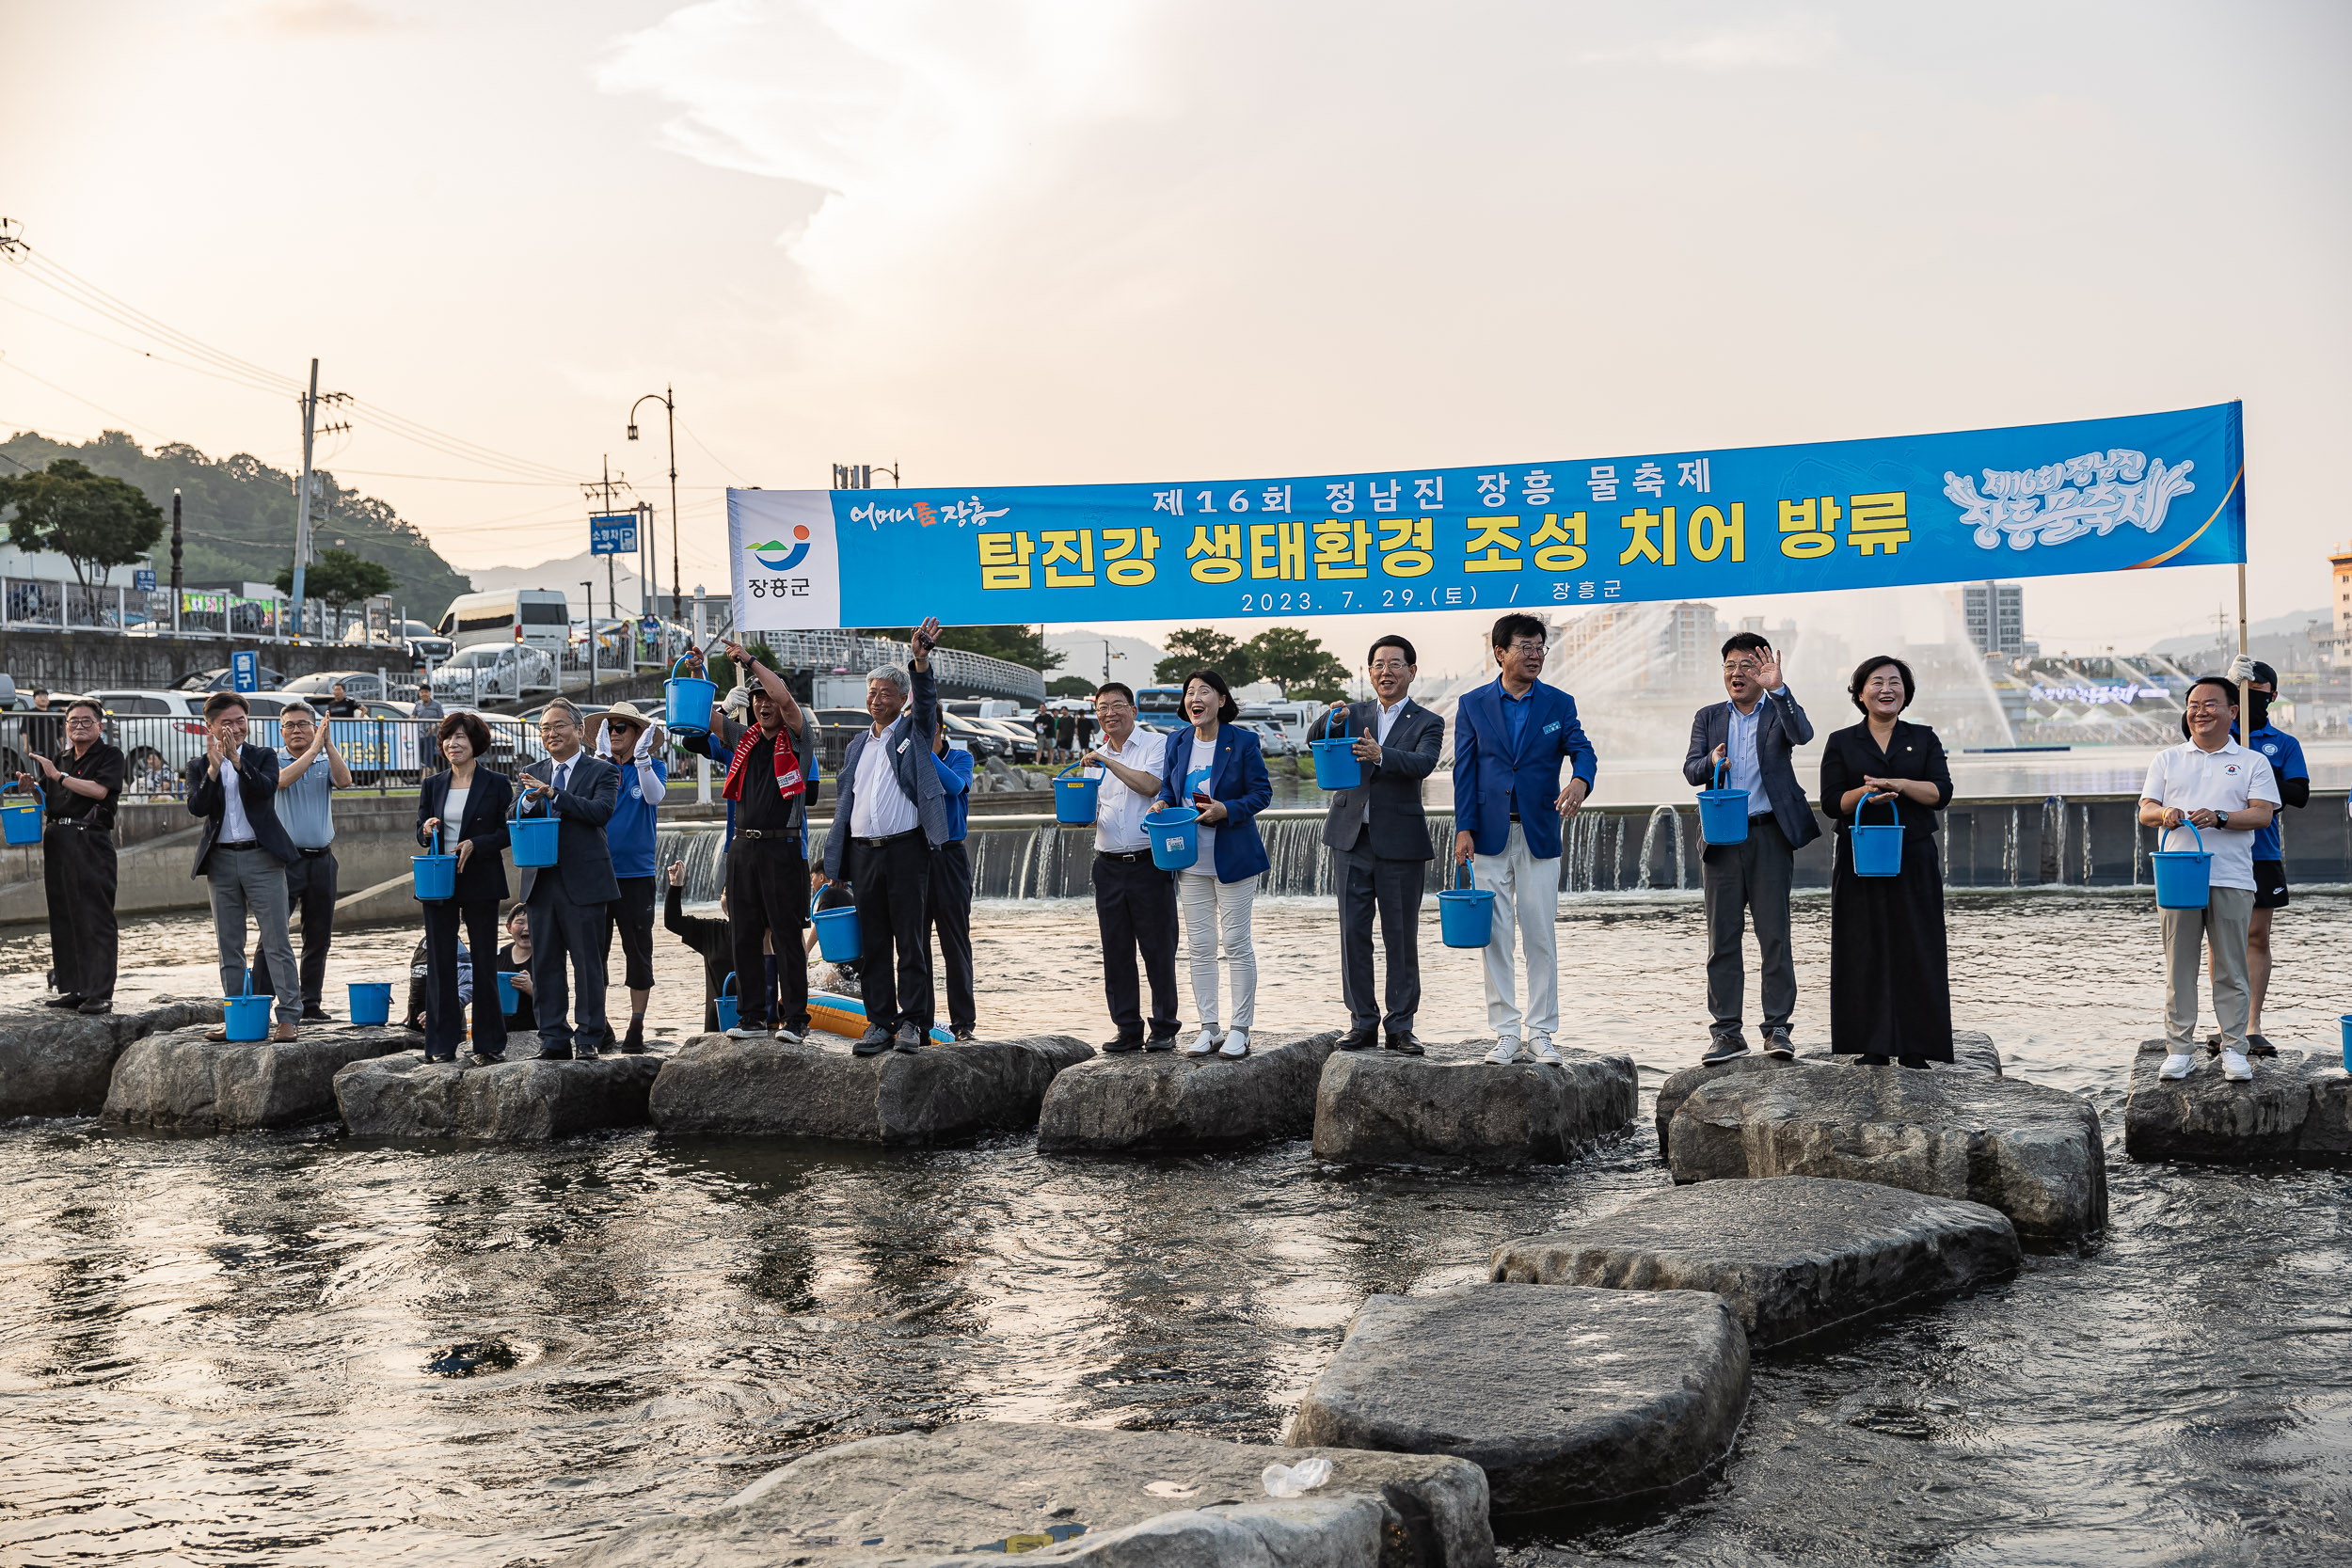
[238,516]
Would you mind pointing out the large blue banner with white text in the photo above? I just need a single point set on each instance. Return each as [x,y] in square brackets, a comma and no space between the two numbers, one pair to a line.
[2032,501]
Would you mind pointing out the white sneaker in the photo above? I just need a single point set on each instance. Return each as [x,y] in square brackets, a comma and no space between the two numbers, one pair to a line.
[1202,1043]
[1236,1046]
[1507,1051]
[2177,1065]
[2236,1068]
[1545,1053]
[783,1036]
[741,1033]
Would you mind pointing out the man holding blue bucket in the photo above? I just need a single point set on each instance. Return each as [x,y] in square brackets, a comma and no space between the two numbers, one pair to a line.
[567,899]
[771,773]
[2227,793]
[1749,738]
[309,768]
[1135,901]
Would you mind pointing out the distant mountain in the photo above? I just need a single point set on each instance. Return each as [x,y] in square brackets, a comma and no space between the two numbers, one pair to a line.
[238,516]
[1132,657]
[565,576]
[2277,626]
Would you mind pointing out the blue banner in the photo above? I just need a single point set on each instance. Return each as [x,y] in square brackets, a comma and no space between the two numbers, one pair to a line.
[2032,500]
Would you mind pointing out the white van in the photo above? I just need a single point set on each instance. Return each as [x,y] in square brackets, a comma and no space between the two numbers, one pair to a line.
[535,617]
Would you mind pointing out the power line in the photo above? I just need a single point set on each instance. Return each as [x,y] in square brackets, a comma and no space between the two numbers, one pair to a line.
[77,397]
[707,452]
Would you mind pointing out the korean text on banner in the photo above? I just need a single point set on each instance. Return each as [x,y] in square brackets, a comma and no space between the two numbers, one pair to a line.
[2032,501]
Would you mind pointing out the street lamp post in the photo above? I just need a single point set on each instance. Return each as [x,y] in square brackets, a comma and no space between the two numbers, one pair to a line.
[668,400]
[588,587]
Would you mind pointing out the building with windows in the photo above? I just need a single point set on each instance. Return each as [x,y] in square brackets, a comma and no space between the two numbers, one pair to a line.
[2340,600]
[1994,614]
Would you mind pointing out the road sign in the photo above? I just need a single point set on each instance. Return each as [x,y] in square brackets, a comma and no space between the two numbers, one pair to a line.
[143,581]
[612,533]
[244,671]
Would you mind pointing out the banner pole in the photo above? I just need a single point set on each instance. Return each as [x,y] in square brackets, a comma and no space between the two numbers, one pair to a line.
[2244,693]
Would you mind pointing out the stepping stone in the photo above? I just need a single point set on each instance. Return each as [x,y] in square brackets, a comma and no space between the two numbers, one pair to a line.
[972,1493]
[182,1082]
[2298,1106]
[520,1100]
[1150,1100]
[1567,1397]
[57,1063]
[1793,1255]
[1376,1107]
[765,1088]
[2032,1152]
[1972,1052]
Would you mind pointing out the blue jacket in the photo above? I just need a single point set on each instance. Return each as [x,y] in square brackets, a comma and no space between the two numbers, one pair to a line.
[1238,782]
[1492,778]
[955,778]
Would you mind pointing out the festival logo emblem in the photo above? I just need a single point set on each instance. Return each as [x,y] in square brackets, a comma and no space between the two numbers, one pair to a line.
[2096,493]
[776,557]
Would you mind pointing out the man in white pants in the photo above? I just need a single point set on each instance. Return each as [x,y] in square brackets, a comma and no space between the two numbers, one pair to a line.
[1509,739]
[2228,793]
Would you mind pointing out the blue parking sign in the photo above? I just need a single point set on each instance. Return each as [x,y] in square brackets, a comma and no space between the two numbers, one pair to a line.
[244,671]
[143,581]
[612,533]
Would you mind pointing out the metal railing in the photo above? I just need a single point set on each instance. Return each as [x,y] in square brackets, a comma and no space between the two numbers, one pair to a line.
[387,755]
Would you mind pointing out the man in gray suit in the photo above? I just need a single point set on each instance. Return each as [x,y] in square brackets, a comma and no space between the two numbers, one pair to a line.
[567,899]
[1750,738]
[1379,842]
[890,816]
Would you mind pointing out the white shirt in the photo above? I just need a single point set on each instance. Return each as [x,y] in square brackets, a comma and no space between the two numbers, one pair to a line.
[1384,719]
[1202,763]
[882,809]
[453,820]
[235,827]
[1118,810]
[1741,770]
[2194,779]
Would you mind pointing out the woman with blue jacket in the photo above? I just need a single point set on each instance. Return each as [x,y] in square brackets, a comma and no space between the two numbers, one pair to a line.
[1214,768]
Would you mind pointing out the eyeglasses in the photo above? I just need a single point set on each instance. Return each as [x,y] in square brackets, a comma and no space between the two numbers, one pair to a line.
[1742,667]
[80,721]
[1528,646]
[1395,666]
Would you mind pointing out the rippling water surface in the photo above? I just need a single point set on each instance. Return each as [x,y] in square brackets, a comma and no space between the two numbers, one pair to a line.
[302,1347]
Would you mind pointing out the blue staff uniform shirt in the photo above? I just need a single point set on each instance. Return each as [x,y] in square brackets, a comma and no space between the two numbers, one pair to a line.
[306,806]
[630,829]
[2285,755]
[955,783]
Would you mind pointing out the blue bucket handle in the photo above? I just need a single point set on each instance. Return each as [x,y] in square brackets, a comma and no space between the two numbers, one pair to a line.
[1885,795]
[820,893]
[547,806]
[1462,869]
[1088,761]
[2184,822]
[1722,767]
[40,796]
[727,988]
[681,664]
[1334,711]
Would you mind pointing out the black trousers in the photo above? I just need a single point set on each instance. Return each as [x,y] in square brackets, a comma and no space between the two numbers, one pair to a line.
[1134,908]
[564,935]
[631,915]
[78,874]
[893,881]
[1369,885]
[767,891]
[310,897]
[1745,882]
[948,912]
[444,1014]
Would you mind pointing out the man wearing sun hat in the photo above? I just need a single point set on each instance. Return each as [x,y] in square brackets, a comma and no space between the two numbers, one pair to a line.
[633,742]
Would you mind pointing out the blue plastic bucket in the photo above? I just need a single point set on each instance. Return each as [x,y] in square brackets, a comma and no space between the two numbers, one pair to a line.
[2184,877]
[1723,813]
[2346,1023]
[533,837]
[689,700]
[435,875]
[1465,915]
[1877,850]
[20,820]
[1175,836]
[729,1004]
[1336,765]
[508,998]
[836,931]
[1073,798]
[370,1002]
[247,1016]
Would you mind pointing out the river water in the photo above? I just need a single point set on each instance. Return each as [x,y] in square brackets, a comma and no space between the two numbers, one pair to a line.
[302,1347]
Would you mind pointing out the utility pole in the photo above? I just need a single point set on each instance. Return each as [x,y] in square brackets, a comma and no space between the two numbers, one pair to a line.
[589,588]
[176,577]
[302,496]
[669,408]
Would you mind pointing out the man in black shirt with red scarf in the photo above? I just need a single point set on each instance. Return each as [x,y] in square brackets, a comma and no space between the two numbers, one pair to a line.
[767,869]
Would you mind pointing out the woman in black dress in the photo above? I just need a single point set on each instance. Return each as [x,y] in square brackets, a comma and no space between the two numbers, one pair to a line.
[1890,995]
[462,811]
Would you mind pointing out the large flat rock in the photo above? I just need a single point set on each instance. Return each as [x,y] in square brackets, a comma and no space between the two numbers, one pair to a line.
[1793,1255]
[972,1493]
[1376,1107]
[1152,1100]
[1567,1397]
[57,1063]
[520,1100]
[2297,1107]
[2030,1151]
[184,1083]
[1973,1051]
[816,1090]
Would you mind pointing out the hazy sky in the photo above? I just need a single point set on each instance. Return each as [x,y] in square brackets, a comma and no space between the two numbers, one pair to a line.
[1080,240]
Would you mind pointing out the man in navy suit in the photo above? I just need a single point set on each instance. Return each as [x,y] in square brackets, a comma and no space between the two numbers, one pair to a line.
[567,899]
[1509,739]
[1750,738]
[244,851]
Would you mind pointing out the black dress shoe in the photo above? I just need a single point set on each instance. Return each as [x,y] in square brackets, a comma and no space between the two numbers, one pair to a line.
[1919,1062]
[1404,1045]
[317,1015]
[873,1042]
[1160,1042]
[1357,1040]
[1778,1046]
[2256,1045]
[481,1058]
[68,1000]
[429,1056]
[95,1009]
[585,1053]
[1124,1044]
[1876,1061]
[910,1037]
[1725,1048]
[634,1043]
[554,1053]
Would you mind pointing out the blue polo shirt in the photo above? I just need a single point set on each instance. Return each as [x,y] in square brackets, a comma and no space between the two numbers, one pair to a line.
[2285,756]
[955,781]
[631,828]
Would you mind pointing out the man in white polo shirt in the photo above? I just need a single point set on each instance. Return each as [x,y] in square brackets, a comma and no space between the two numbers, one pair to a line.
[2228,793]
[1135,901]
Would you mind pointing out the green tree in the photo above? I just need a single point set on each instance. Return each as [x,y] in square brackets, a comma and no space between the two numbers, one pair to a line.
[341,578]
[96,522]
[1297,663]
[1191,648]
[1023,645]
[1070,686]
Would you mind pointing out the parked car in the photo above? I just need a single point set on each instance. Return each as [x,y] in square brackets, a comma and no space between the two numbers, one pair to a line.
[161,732]
[489,671]
[1272,738]
[359,685]
[417,640]
[223,680]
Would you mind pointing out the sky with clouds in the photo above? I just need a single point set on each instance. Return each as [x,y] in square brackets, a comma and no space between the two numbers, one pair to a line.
[1048,241]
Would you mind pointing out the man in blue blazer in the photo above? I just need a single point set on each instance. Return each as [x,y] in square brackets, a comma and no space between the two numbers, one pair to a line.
[1750,738]
[567,899]
[1509,739]
[244,851]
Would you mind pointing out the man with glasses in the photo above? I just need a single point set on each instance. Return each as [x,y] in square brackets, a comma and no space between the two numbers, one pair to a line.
[1509,739]
[1378,836]
[309,769]
[1750,738]
[567,899]
[1135,901]
[244,852]
[81,784]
